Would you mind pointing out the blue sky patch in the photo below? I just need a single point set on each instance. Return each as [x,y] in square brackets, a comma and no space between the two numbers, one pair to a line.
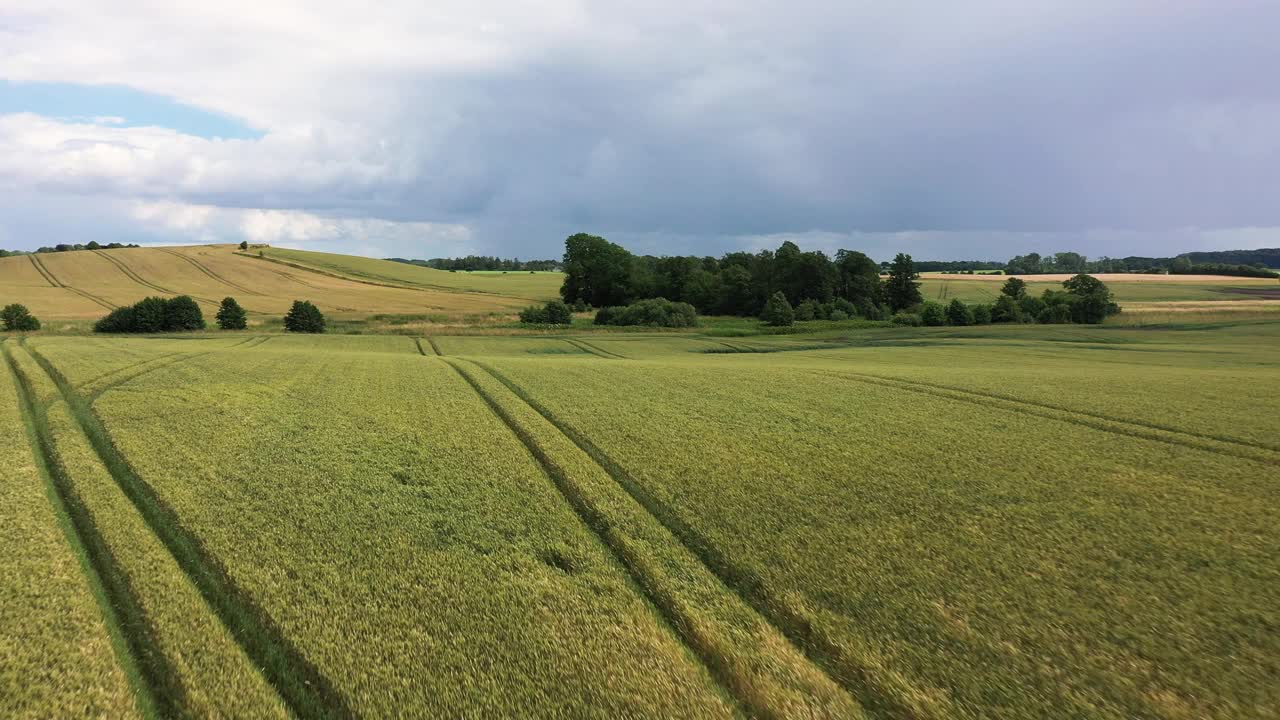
[119,106]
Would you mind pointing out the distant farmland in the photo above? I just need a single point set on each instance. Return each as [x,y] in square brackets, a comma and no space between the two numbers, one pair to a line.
[986,522]
[87,283]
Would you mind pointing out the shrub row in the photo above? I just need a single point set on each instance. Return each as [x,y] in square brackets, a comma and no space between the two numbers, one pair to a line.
[655,312]
[152,315]
[157,314]
[1085,300]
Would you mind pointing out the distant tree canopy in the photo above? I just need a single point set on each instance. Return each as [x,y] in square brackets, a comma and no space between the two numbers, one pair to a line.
[1015,288]
[1239,263]
[18,318]
[154,315]
[483,262]
[64,247]
[304,317]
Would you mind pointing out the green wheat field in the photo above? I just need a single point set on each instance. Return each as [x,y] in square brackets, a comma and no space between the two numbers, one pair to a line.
[1029,521]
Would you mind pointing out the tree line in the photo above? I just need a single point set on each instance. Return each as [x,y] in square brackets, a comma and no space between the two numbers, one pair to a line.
[64,247]
[790,284]
[483,262]
[181,313]
[600,274]
[1185,264]
[1239,263]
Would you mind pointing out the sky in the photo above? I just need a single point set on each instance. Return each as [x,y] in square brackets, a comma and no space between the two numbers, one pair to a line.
[974,130]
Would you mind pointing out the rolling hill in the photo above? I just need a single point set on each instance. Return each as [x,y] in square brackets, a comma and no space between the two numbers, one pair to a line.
[87,283]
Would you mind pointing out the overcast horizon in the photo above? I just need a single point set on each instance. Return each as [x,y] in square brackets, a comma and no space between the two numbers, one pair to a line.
[970,133]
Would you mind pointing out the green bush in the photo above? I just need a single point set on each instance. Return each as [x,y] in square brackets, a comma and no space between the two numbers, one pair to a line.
[655,312]
[153,315]
[844,306]
[933,314]
[981,314]
[304,317]
[555,312]
[777,311]
[807,310]
[182,313]
[1031,307]
[17,317]
[1006,310]
[906,318]
[958,313]
[230,315]
[1056,314]
[839,315]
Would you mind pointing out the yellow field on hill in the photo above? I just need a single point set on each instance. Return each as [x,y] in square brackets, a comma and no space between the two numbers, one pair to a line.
[531,286]
[88,283]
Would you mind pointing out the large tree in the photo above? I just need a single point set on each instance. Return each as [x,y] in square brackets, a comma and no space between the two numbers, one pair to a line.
[1092,300]
[597,272]
[901,289]
[17,317]
[230,315]
[859,278]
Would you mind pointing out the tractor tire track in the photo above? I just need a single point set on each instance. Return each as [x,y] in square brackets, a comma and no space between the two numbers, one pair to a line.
[157,365]
[1225,439]
[158,358]
[594,349]
[135,277]
[795,624]
[40,266]
[432,341]
[692,622]
[1234,448]
[43,272]
[204,269]
[109,373]
[304,689]
[155,684]
[422,350]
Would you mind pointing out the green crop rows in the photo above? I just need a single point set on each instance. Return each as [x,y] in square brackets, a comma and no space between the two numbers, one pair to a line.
[986,522]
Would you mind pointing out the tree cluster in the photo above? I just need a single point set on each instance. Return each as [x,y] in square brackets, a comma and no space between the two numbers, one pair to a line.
[653,312]
[304,317]
[599,273]
[18,318]
[1084,299]
[153,315]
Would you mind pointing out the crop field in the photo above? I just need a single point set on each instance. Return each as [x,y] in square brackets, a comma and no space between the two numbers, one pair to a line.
[85,284]
[984,522]
[1131,290]
[530,286]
